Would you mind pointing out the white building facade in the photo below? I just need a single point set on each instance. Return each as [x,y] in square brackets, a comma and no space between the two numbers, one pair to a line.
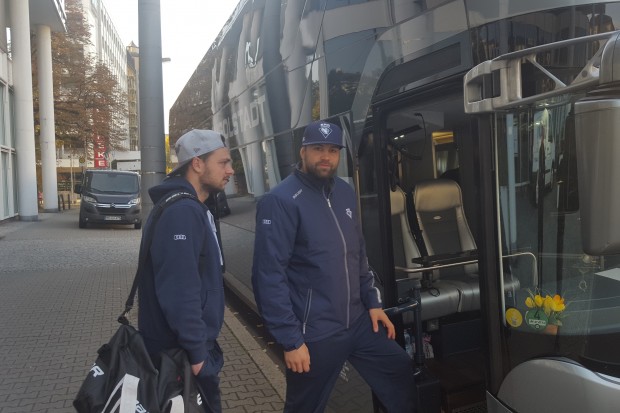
[18,163]
[108,48]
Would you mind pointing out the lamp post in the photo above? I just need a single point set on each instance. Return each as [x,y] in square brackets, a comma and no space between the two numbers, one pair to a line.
[71,169]
[152,152]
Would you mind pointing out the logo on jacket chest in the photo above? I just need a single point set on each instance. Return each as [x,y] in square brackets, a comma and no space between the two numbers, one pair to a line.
[349,213]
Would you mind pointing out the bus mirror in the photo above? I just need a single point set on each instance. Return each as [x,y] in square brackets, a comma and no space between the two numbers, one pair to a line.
[597,131]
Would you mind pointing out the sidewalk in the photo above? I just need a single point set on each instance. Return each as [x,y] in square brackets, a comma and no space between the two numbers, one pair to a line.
[61,289]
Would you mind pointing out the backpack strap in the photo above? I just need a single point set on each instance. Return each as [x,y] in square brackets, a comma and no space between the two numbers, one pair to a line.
[145,245]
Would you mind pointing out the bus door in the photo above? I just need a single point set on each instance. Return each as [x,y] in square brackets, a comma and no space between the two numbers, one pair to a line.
[553,343]
[426,171]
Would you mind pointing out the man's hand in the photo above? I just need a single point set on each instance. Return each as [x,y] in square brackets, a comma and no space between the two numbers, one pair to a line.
[298,360]
[197,367]
[378,315]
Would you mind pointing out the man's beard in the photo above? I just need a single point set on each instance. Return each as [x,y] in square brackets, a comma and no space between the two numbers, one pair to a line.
[321,173]
[211,189]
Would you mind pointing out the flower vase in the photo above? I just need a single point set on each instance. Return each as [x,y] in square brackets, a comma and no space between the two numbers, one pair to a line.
[551,329]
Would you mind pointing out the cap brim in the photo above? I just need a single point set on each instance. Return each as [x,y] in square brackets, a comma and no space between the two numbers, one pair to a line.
[179,166]
[322,143]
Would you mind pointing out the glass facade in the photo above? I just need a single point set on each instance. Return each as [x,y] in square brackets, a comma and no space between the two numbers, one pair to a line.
[4,135]
[6,151]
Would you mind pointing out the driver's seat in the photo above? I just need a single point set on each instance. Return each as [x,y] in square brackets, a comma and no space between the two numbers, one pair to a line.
[441,218]
[443,298]
[439,211]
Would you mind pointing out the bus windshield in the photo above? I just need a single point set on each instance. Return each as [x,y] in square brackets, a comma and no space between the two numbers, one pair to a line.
[565,292]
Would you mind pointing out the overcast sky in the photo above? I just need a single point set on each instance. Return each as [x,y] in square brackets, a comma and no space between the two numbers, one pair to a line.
[188,28]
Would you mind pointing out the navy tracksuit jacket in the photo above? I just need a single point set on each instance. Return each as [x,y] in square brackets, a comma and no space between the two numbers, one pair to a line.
[181,291]
[310,274]
[312,285]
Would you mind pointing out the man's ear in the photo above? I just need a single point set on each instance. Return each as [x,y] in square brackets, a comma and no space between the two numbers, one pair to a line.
[196,164]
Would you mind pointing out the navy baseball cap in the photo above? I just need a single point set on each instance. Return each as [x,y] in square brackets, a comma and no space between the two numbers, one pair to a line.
[320,132]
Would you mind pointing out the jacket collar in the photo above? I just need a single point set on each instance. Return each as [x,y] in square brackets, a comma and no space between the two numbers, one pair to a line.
[318,184]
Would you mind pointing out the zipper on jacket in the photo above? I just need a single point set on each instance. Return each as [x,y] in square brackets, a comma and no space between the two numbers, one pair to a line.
[346,263]
[307,310]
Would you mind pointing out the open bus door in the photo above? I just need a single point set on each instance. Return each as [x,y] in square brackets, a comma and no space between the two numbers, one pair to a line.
[425,151]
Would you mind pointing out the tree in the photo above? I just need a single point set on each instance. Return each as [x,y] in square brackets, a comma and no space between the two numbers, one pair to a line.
[88,101]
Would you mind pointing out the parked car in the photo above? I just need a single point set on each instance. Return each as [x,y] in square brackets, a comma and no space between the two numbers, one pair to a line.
[218,205]
[110,197]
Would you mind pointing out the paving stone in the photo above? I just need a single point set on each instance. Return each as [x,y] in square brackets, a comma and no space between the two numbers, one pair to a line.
[62,290]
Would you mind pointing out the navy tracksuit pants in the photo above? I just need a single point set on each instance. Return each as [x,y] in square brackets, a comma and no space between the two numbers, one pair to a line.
[209,381]
[381,362]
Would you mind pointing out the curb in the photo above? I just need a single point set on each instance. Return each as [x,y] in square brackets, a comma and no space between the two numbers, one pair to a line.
[270,370]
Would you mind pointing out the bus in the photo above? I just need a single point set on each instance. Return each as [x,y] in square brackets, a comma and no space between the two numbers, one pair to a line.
[481,139]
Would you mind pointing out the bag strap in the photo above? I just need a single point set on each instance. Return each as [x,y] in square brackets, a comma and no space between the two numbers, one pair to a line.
[145,245]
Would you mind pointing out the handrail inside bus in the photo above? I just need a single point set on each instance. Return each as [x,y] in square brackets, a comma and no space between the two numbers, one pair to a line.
[463,263]
[508,67]
[431,268]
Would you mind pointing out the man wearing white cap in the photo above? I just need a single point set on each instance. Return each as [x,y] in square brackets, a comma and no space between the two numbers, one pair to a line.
[181,291]
[313,286]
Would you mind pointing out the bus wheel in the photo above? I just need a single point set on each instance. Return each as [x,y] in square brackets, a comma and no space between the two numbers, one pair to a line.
[138,225]
[82,223]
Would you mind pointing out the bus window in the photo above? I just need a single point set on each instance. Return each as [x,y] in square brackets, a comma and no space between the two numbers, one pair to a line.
[445,155]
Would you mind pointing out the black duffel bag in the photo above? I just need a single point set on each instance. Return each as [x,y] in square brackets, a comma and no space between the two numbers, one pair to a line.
[124,378]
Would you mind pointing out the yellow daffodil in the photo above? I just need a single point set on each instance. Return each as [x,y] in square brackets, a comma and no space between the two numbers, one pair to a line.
[557,304]
[553,306]
[547,304]
[538,300]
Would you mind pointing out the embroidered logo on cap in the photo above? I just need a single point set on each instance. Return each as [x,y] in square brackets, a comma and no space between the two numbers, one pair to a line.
[325,129]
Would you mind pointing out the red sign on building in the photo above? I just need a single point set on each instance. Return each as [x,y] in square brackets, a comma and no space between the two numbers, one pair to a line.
[100,153]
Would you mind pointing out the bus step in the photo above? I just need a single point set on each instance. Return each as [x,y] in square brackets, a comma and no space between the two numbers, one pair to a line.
[472,408]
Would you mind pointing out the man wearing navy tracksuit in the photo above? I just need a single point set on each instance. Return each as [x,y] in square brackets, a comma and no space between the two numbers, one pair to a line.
[313,287]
